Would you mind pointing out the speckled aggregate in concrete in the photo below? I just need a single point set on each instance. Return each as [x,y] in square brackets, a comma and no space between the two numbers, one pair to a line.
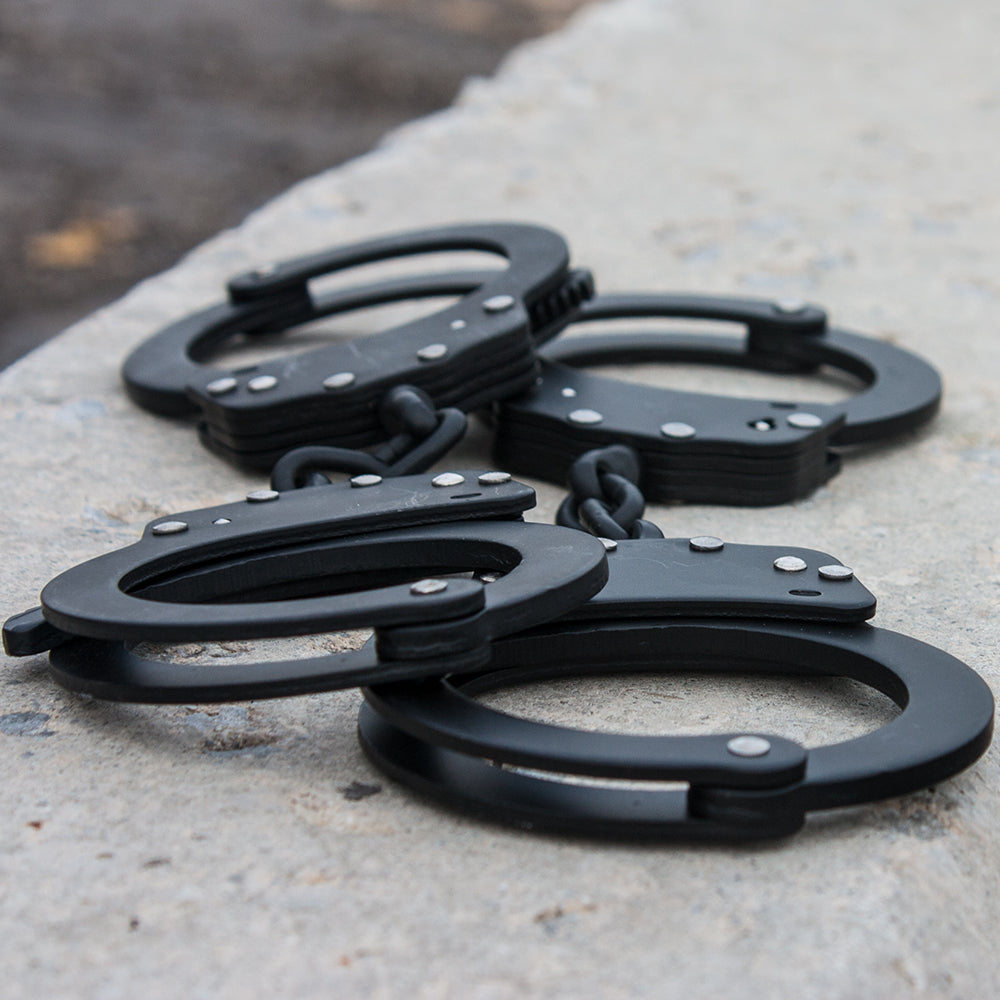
[842,152]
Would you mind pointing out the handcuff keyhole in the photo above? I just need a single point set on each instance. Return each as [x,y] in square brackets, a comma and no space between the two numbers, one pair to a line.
[806,593]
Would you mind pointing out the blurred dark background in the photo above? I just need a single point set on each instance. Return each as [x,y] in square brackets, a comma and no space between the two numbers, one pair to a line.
[131,131]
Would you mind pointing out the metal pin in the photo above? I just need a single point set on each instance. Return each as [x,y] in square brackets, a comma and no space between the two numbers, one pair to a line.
[366,479]
[762,425]
[222,520]
[498,303]
[790,306]
[448,479]
[748,746]
[804,421]
[458,324]
[494,478]
[432,352]
[838,573]
[263,496]
[220,386]
[609,544]
[705,543]
[169,527]
[261,383]
[585,417]
[677,429]
[423,587]
[790,564]
[339,381]
[265,270]
[568,393]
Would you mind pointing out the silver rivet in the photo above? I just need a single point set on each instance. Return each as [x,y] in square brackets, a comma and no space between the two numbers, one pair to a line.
[263,496]
[220,386]
[458,324]
[448,479]
[748,746]
[677,429]
[839,573]
[568,393]
[494,478]
[498,303]
[366,479]
[169,527]
[586,417]
[339,381]
[790,306]
[762,425]
[422,587]
[222,520]
[432,352]
[488,576]
[609,544]
[261,383]
[804,421]
[265,271]
[705,543]
[790,564]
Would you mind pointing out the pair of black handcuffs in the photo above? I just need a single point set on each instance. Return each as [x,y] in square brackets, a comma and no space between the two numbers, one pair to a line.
[543,601]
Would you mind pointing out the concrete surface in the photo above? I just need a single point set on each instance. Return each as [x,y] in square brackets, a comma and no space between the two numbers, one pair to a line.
[842,152]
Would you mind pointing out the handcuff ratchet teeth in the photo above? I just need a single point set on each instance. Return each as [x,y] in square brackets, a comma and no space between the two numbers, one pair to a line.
[706,448]
[465,355]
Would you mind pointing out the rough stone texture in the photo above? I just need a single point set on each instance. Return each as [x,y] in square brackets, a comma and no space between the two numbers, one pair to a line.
[842,152]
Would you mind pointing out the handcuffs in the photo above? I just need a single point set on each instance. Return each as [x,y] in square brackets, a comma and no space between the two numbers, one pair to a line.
[308,556]
[467,355]
[703,448]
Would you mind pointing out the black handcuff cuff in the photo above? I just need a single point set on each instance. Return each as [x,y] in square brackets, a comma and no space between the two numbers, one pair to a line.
[467,355]
[258,568]
[699,447]
[685,605]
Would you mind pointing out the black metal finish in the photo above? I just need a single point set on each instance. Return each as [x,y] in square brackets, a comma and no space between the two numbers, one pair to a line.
[312,560]
[482,347]
[433,736]
[736,451]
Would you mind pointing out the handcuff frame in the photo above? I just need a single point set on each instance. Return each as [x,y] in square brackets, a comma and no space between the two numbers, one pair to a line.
[483,345]
[432,736]
[732,450]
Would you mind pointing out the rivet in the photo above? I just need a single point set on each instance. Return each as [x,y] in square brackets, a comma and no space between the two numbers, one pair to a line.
[762,425]
[568,393]
[263,496]
[422,587]
[261,383]
[265,271]
[488,576]
[366,479]
[585,417]
[705,543]
[458,324]
[494,478]
[432,352]
[339,381]
[169,527]
[448,479]
[838,573]
[790,564]
[498,303]
[790,306]
[677,429]
[222,520]
[609,544]
[804,421]
[748,746]
[220,386]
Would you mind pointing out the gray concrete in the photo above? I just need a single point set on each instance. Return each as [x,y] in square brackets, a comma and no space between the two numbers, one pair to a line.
[843,152]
